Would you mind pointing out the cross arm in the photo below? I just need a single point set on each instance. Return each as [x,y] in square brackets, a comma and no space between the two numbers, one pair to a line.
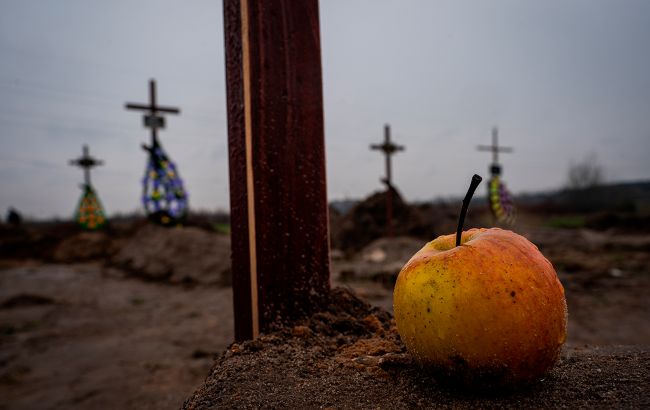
[388,148]
[86,162]
[143,107]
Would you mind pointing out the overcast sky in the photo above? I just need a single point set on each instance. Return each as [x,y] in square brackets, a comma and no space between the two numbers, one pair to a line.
[561,79]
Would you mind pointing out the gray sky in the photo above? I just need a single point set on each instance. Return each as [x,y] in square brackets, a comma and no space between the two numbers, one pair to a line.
[561,79]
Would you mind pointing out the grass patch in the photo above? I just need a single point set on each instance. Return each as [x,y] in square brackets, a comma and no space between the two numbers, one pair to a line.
[223,228]
[567,221]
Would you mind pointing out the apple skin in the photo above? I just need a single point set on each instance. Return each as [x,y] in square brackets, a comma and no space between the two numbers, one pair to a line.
[490,312]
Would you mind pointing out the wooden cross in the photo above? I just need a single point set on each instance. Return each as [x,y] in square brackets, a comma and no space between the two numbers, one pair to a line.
[87,163]
[495,168]
[278,199]
[388,148]
[151,118]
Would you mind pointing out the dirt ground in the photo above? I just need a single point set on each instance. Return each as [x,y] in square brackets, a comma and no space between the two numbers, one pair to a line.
[99,335]
[82,336]
[606,377]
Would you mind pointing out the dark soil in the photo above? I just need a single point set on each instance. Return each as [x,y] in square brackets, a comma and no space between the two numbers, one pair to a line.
[349,356]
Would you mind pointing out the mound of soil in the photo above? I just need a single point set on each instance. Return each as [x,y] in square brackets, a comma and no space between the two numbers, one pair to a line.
[366,221]
[83,246]
[349,355]
[380,261]
[176,255]
[33,242]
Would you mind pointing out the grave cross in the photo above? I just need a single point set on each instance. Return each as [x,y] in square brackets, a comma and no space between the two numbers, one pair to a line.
[278,195]
[495,168]
[388,148]
[151,118]
[87,163]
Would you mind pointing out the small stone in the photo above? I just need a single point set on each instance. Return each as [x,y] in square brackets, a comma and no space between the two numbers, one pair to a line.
[235,349]
[376,255]
[367,360]
[393,360]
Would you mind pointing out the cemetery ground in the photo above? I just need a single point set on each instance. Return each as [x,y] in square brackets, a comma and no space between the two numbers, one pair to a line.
[136,317]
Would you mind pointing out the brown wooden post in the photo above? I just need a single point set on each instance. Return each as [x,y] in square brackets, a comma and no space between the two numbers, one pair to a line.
[278,198]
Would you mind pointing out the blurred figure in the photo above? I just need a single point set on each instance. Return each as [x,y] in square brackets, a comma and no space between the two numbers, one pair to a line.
[13,217]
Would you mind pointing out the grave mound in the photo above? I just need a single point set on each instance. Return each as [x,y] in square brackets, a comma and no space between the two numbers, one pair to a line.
[176,255]
[348,355]
[83,246]
[366,221]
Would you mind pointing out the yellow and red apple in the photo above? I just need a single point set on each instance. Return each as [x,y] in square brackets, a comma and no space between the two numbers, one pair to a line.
[490,311]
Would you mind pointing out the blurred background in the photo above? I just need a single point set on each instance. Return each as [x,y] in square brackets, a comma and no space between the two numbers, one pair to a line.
[563,81]
[129,316]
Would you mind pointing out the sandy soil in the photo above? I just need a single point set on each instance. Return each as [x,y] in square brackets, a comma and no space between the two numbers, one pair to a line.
[82,336]
[349,356]
[608,377]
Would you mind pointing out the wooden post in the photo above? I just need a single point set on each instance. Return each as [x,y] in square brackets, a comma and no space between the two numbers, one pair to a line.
[278,198]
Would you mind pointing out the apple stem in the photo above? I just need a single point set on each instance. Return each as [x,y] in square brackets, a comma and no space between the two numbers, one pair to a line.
[476,179]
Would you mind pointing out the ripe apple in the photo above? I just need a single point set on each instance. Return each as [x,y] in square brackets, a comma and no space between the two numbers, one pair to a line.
[490,312]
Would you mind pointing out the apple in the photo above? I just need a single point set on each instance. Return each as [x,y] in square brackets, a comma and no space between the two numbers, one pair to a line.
[483,308]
